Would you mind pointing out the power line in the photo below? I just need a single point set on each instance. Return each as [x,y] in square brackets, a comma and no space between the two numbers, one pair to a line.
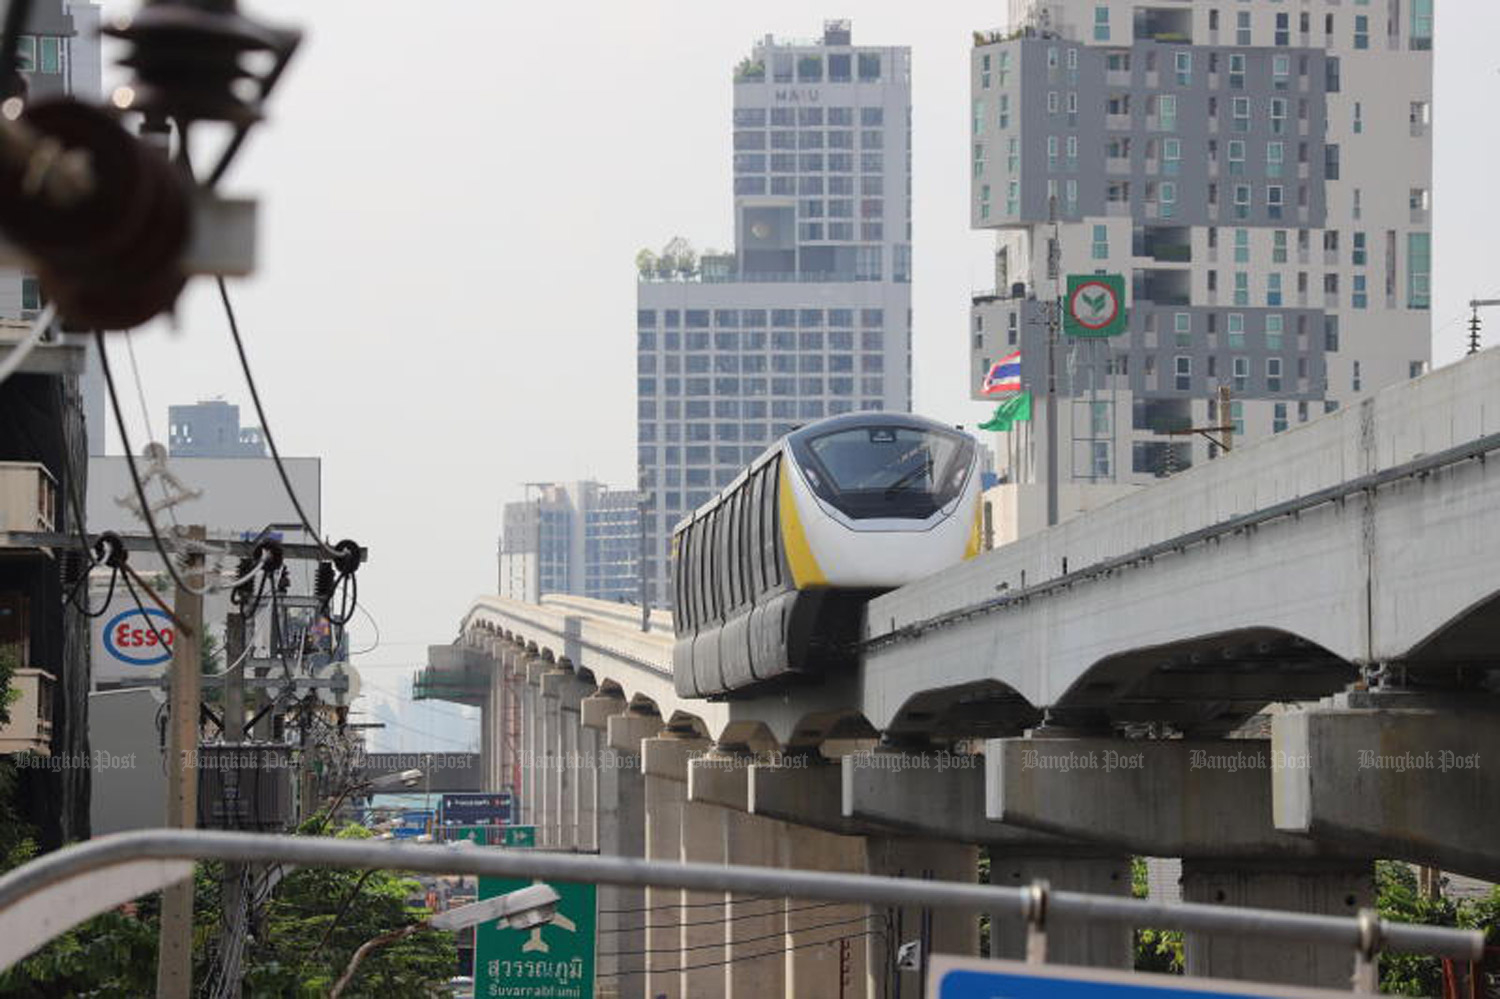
[723,919]
[743,940]
[140,394]
[748,957]
[265,426]
[135,475]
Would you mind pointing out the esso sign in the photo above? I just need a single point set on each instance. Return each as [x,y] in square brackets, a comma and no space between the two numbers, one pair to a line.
[139,640]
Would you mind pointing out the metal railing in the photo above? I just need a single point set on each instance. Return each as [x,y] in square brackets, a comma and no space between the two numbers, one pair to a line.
[35,892]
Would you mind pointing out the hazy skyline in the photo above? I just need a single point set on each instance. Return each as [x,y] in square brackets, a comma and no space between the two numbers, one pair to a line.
[444,307]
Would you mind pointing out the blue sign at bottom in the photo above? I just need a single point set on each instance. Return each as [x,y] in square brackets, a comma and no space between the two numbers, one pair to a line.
[968,978]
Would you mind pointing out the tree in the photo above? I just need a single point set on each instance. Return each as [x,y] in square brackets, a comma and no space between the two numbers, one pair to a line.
[1398,899]
[288,961]
[1155,950]
[645,263]
[113,955]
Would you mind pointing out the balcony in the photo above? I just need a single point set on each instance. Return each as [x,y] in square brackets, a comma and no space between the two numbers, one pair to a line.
[28,497]
[30,727]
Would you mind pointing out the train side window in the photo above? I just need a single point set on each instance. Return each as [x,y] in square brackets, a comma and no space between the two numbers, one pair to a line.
[747,577]
[700,595]
[726,560]
[678,547]
[715,560]
[771,552]
[731,545]
[737,548]
[753,539]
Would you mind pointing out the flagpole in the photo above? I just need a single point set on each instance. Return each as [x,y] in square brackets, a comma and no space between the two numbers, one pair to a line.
[1053,318]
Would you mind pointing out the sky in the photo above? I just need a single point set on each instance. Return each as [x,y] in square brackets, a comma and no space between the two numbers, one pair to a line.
[450,209]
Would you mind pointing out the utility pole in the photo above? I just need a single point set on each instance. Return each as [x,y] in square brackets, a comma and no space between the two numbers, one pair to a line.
[1054,320]
[174,971]
[235,914]
[1474,322]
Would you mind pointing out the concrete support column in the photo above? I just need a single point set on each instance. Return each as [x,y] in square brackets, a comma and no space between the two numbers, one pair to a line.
[755,926]
[1334,889]
[531,740]
[621,823]
[935,930]
[570,693]
[664,762]
[1095,945]
[488,735]
[590,739]
[549,827]
[824,960]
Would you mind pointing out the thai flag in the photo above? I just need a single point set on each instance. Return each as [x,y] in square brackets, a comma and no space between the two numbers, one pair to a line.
[1004,376]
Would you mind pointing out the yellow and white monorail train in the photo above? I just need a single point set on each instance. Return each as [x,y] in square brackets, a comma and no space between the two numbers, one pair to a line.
[770,577]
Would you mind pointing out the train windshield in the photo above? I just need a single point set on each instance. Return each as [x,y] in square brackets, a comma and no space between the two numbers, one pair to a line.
[886,471]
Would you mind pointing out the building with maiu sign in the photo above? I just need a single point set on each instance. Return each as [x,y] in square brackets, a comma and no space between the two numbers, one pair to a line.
[810,314]
[1259,176]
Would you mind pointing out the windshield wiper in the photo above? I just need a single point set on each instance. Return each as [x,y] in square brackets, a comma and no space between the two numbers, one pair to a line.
[905,480]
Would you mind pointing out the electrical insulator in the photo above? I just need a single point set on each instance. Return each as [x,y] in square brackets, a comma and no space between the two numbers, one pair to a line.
[244,592]
[187,56]
[70,567]
[323,582]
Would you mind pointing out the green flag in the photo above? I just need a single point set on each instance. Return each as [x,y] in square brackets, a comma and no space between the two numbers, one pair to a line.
[1016,409]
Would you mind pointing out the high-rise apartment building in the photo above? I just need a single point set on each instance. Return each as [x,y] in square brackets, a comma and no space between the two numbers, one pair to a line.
[1260,174]
[810,315]
[211,429]
[581,538]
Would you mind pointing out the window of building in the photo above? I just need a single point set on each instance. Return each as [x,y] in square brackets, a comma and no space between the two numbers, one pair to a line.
[1283,35]
[1356,382]
[1275,328]
[1241,245]
[1236,153]
[1361,31]
[1235,328]
[1242,28]
[1274,201]
[1278,115]
[1182,328]
[1183,373]
[1167,112]
[1241,288]
[1101,24]
[1418,270]
[1278,411]
[1420,33]
[1240,110]
[1101,242]
[1241,373]
[1281,71]
[1275,156]
[869,66]
[1184,66]
[1278,246]
[1273,289]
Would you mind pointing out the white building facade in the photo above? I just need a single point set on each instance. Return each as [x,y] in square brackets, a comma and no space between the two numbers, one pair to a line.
[810,316]
[1259,172]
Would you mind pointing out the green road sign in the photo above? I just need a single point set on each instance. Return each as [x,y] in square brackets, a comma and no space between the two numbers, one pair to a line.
[551,961]
[519,836]
[1095,305]
[474,834]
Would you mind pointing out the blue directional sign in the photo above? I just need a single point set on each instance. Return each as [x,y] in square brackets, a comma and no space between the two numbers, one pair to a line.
[486,809]
[968,978]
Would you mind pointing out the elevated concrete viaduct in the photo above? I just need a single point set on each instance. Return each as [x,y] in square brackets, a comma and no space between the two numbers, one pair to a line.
[1064,703]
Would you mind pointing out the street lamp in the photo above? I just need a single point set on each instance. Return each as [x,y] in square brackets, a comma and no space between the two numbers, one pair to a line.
[522,909]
